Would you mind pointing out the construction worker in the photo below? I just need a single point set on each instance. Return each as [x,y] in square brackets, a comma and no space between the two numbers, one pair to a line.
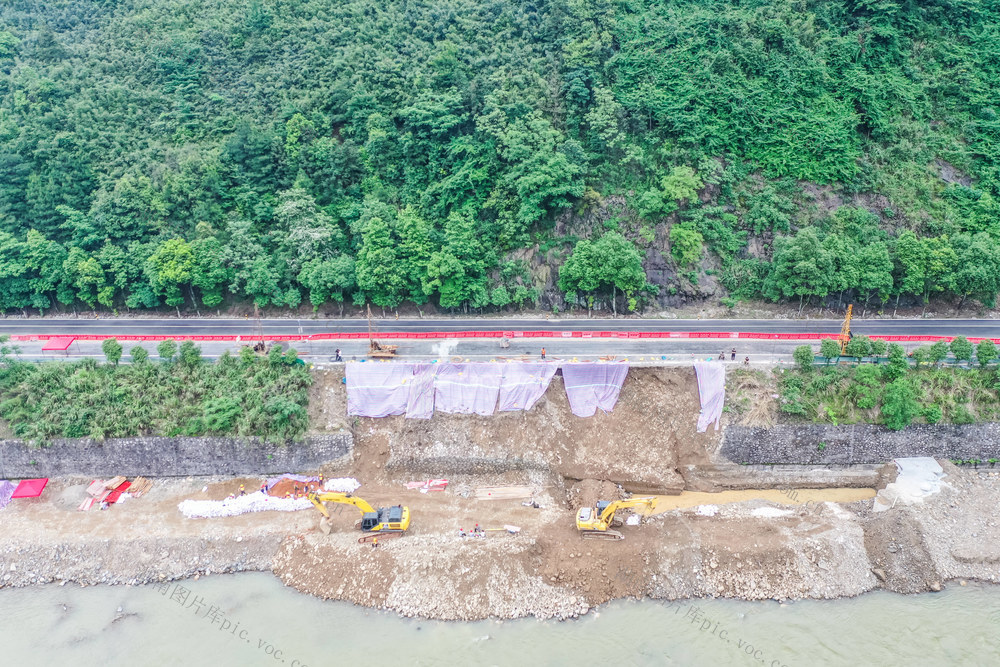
[543,353]
[375,543]
[243,490]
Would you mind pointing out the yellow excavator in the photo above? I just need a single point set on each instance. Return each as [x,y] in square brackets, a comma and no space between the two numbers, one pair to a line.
[596,522]
[382,522]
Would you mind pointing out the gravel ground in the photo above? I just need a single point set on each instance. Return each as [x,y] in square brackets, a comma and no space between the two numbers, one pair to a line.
[751,550]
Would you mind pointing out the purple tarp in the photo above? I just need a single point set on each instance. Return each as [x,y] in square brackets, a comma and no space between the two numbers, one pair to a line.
[711,391]
[523,384]
[378,389]
[420,401]
[6,491]
[592,386]
[467,388]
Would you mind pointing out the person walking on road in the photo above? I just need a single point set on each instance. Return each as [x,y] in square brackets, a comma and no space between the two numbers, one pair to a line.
[336,356]
[733,357]
[746,361]
[543,353]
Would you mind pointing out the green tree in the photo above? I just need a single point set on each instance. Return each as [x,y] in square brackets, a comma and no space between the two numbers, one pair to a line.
[685,244]
[167,349]
[610,264]
[938,352]
[802,267]
[961,349]
[859,346]
[112,350]
[898,365]
[189,354]
[804,357]
[986,351]
[380,272]
[170,268]
[829,348]
[899,404]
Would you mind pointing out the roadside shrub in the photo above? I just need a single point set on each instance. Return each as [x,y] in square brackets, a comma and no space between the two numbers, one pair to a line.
[986,351]
[961,415]
[112,350]
[139,354]
[961,348]
[899,405]
[803,356]
[933,414]
[898,365]
[167,349]
[829,348]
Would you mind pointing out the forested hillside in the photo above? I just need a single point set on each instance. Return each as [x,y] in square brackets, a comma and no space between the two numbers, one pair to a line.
[493,154]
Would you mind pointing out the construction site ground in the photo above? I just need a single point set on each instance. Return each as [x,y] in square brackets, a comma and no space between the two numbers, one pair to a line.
[750,544]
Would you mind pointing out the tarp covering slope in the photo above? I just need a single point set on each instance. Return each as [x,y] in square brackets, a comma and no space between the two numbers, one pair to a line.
[6,491]
[467,388]
[523,384]
[378,390]
[592,386]
[711,391]
[420,401]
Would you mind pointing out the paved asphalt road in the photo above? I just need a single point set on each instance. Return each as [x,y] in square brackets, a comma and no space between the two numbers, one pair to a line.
[273,327]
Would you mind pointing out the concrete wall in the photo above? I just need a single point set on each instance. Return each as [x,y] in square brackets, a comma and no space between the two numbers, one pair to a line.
[859,443]
[169,457]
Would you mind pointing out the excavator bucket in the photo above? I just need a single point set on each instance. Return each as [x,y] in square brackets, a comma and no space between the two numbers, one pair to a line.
[324,525]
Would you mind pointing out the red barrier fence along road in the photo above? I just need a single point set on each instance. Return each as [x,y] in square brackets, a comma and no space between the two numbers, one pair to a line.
[403,335]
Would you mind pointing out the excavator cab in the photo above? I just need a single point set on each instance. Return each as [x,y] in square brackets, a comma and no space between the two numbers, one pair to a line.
[369,520]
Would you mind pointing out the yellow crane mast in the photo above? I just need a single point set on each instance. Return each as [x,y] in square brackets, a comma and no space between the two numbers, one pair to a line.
[596,522]
[845,331]
[384,521]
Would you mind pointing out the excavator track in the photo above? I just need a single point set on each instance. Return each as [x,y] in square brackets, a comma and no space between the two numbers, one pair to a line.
[601,535]
[384,534]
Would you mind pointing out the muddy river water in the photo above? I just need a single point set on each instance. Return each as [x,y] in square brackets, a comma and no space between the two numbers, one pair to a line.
[251,619]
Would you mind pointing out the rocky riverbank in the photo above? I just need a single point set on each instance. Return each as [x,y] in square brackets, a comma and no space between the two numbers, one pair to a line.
[751,550]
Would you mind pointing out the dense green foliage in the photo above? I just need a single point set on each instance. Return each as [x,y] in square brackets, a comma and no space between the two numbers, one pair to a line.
[244,396]
[184,152]
[895,392]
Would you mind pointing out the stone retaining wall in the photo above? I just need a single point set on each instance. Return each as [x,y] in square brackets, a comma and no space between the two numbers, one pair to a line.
[858,443]
[169,457]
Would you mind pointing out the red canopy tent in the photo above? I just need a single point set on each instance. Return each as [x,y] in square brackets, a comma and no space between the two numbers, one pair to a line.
[58,344]
[30,488]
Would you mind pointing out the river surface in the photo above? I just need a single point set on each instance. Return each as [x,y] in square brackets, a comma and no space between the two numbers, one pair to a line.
[251,619]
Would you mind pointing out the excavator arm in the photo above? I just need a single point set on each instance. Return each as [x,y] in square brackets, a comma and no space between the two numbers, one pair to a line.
[608,515]
[318,499]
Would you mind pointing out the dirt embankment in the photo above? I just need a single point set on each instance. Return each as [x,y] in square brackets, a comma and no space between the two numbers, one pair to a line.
[640,444]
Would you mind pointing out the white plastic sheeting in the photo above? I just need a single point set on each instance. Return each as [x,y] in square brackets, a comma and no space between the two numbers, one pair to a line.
[711,391]
[523,384]
[592,386]
[6,492]
[342,484]
[467,388]
[420,403]
[378,390]
[253,502]
[416,390]
[918,478]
